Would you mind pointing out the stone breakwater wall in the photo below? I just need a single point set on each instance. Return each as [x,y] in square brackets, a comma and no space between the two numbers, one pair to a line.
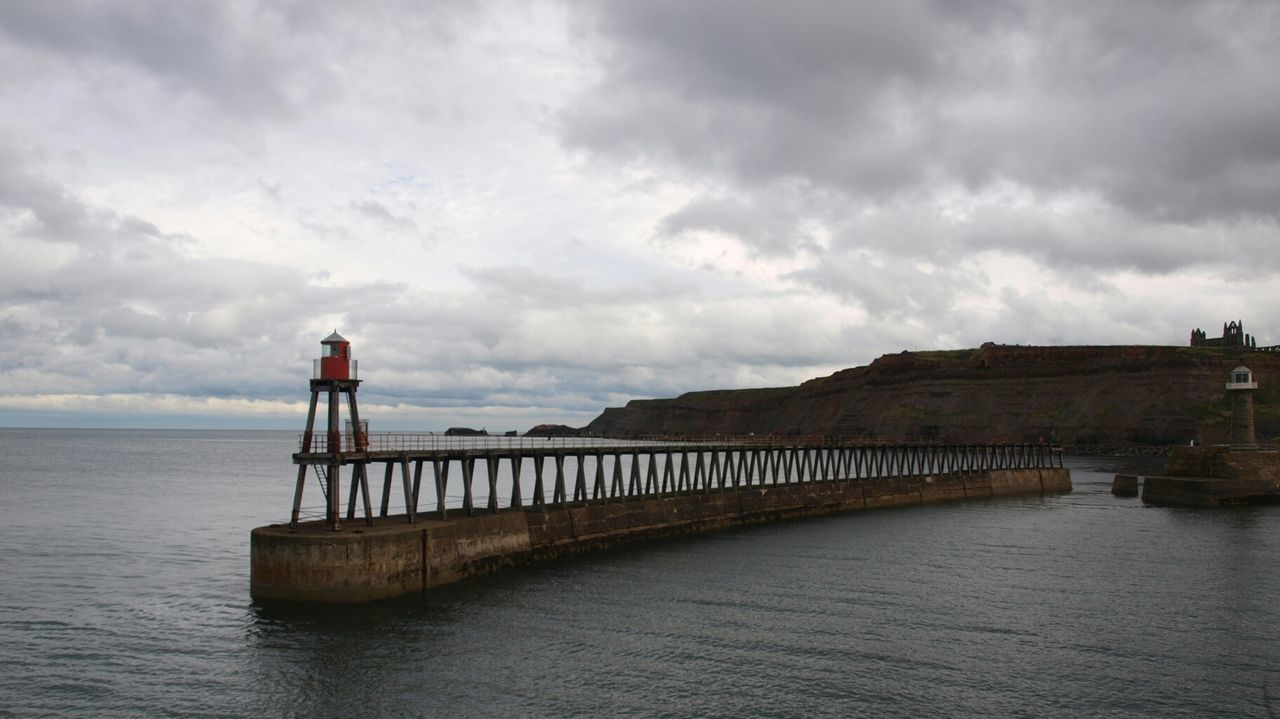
[1224,462]
[1216,476]
[394,557]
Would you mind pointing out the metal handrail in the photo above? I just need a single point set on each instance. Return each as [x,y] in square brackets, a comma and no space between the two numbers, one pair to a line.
[433,441]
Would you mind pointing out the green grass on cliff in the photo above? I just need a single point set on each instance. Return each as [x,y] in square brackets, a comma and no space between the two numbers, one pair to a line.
[1266,405]
[950,355]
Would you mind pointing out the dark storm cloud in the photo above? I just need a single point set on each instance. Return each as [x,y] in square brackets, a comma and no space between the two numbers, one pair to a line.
[758,90]
[1161,114]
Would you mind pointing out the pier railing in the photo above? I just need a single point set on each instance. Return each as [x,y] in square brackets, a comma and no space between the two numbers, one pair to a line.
[440,473]
[319,443]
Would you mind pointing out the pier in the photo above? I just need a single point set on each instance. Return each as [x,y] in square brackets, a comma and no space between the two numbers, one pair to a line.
[534,473]
[454,507]
[522,503]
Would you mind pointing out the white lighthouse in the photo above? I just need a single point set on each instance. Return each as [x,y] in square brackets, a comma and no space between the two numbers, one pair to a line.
[1241,387]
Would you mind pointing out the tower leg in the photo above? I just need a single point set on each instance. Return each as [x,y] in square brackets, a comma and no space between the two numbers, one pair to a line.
[359,439]
[364,490]
[297,495]
[351,493]
[335,502]
[309,433]
[335,432]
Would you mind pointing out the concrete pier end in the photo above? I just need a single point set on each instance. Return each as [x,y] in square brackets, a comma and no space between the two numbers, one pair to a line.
[1214,476]
[1125,485]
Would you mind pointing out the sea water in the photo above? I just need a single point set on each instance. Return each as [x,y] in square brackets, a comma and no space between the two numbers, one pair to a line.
[124,592]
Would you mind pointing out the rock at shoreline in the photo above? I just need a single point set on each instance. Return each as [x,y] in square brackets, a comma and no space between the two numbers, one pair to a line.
[553,430]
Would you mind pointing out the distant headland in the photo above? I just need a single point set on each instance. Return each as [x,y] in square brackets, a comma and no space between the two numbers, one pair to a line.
[1105,398]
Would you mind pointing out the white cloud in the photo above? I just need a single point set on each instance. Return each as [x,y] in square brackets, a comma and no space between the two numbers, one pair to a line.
[525,212]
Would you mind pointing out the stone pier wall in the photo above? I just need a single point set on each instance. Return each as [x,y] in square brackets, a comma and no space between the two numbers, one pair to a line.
[314,563]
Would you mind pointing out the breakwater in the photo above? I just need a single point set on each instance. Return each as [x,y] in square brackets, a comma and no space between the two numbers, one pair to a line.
[617,494]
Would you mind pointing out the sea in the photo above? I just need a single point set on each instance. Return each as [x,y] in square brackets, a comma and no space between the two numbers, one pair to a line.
[124,592]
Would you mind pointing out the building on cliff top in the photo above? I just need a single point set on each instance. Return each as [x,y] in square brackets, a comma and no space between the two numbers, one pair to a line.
[1233,336]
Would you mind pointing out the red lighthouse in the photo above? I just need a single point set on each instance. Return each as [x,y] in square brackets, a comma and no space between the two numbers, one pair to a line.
[335,361]
[333,375]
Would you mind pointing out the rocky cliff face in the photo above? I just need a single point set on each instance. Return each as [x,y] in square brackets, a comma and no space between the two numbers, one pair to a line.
[1080,396]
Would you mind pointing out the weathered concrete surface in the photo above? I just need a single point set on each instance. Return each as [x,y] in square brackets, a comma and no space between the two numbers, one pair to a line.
[314,563]
[1213,476]
[1125,485]
[1208,491]
[335,567]
[1223,462]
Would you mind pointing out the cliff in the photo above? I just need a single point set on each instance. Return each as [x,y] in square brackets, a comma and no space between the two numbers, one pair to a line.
[1120,395]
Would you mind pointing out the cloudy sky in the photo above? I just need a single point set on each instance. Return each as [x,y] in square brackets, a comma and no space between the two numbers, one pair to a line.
[524,212]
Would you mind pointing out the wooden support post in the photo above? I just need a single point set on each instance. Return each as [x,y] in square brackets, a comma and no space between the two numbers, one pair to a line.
[363,468]
[417,481]
[516,500]
[618,490]
[580,479]
[440,468]
[539,498]
[410,494]
[651,476]
[598,489]
[491,466]
[633,486]
[700,472]
[468,472]
[386,489]
[558,498]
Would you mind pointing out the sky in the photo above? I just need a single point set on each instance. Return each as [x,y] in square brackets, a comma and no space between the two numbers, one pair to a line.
[525,212]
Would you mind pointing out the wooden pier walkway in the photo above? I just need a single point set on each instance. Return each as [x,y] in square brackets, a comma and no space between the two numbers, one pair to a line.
[517,473]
